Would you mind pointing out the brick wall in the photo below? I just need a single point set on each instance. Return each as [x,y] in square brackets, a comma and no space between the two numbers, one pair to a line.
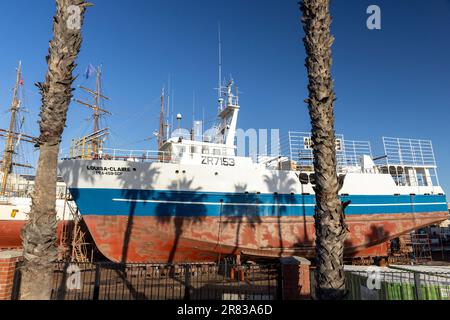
[8,263]
[296,278]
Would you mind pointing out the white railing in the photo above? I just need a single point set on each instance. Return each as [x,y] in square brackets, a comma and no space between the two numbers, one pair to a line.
[344,165]
[127,155]
[134,155]
[152,155]
[409,152]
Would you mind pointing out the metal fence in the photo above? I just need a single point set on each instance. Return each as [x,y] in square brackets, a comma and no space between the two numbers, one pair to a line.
[199,281]
[397,285]
[228,281]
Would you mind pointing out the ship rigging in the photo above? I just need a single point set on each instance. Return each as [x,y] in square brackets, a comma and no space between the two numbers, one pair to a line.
[14,136]
[91,146]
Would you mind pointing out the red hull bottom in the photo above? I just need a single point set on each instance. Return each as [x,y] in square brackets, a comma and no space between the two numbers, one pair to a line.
[10,233]
[165,239]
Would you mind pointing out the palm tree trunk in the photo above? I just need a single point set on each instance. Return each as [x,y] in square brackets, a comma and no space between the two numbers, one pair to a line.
[329,217]
[39,234]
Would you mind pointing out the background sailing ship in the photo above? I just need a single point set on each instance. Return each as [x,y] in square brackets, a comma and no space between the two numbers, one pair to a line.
[17,176]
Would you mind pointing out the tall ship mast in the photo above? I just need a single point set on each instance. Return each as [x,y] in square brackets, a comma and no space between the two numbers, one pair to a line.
[12,139]
[162,124]
[91,146]
[17,174]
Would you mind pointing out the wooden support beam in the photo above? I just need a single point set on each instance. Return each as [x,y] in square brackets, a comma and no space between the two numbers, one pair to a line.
[92,106]
[94,93]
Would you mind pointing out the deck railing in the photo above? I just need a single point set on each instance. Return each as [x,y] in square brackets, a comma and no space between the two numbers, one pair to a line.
[127,155]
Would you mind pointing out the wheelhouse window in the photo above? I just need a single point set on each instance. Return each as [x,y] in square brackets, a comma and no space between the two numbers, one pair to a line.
[312,178]
[339,146]
[304,178]
[307,143]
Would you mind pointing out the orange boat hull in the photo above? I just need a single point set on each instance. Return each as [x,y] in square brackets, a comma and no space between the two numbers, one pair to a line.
[10,233]
[185,239]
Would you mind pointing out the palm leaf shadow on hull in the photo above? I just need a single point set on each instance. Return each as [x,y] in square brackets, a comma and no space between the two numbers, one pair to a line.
[175,214]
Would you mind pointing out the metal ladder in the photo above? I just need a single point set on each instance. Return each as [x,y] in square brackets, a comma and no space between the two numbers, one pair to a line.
[421,247]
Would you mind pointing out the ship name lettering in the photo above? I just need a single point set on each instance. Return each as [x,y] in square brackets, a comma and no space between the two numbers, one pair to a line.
[218,161]
[110,169]
[120,169]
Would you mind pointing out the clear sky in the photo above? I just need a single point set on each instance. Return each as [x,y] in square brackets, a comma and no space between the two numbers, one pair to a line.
[389,82]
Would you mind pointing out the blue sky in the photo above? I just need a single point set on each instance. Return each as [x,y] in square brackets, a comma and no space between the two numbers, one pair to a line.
[389,82]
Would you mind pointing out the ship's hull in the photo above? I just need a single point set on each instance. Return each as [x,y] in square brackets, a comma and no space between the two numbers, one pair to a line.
[158,212]
[14,214]
[182,226]
[184,239]
[10,232]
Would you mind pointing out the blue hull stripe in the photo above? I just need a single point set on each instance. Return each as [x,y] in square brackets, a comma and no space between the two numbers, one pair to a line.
[182,203]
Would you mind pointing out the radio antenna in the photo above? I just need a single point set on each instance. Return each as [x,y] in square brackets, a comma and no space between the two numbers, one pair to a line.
[219,88]
[193,106]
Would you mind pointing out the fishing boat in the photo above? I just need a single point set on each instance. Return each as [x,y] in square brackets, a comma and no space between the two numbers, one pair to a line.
[17,177]
[195,199]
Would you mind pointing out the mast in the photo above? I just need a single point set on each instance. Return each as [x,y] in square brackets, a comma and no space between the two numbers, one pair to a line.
[9,147]
[228,117]
[193,137]
[162,126]
[98,112]
[219,88]
[97,100]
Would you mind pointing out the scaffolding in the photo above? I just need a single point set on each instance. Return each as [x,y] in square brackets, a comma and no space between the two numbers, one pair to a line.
[401,250]
[73,245]
[411,248]
[89,147]
[421,248]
